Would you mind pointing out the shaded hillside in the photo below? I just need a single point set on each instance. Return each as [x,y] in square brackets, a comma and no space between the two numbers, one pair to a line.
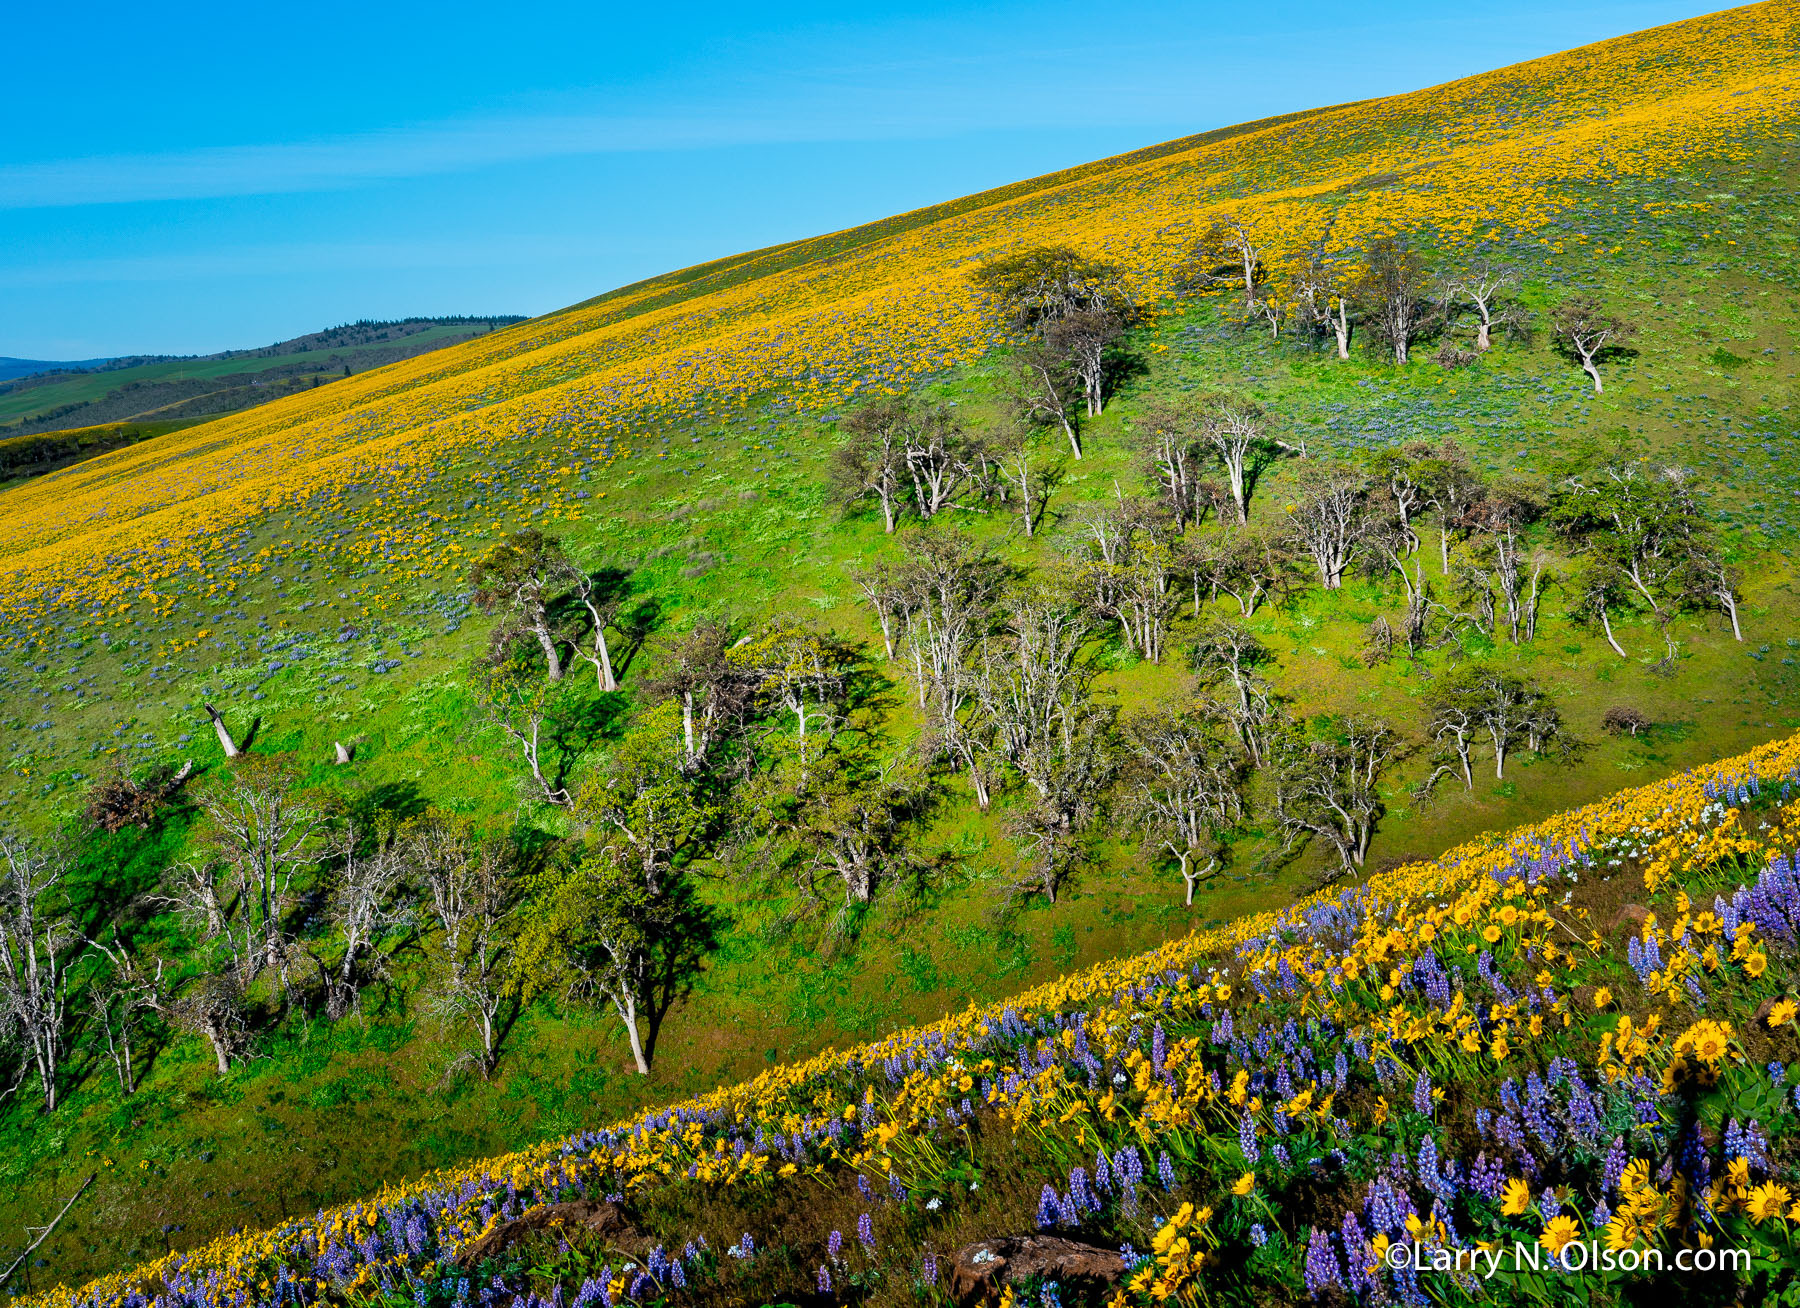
[166,388]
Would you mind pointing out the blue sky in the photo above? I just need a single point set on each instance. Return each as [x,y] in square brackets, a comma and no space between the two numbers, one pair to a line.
[190,178]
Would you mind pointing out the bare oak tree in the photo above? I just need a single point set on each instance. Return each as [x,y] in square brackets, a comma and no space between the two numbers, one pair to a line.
[1588,333]
[266,836]
[470,896]
[1184,784]
[38,943]
[1392,291]
[1485,287]
[1322,296]
[1330,789]
[1327,520]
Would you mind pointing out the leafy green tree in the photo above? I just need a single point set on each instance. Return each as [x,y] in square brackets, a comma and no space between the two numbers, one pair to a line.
[870,463]
[1477,699]
[802,673]
[716,695]
[537,716]
[856,820]
[1229,251]
[1047,283]
[517,579]
[1641,522]
[595,930]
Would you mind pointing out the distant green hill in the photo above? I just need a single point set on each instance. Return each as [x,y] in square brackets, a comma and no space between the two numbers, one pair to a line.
[12,369]
[36,396]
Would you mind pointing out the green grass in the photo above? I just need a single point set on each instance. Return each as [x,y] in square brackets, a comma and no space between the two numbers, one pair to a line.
[737,524]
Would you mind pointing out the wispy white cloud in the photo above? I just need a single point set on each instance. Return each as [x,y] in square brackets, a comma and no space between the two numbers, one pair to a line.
[287,167]
[286,259]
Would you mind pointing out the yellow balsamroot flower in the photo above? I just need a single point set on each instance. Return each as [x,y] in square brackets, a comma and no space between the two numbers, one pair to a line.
[1602,997]
[1244,1184]
[1558,1233]
[1622,1232]
[1706,1040]
[1757,963]
[1768,1200]
[1783,1012]
[1516,1198]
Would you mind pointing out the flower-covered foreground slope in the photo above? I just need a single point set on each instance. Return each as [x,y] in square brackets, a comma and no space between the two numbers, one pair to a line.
[1574,1038]
[363,469]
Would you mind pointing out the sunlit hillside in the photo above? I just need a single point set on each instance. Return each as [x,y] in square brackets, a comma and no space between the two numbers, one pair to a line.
[1555,608]
[357,475]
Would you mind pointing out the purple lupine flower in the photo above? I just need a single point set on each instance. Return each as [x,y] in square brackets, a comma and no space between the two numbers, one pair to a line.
[865,1231]
[1323,1270]
[1258,1236]
[834,1245]
[1359,1257]
[1049,1211]
[1128,1168]
[824,1279]
[1165,1171]
[1067,1214]
[1157,1047]
[1079,1193]
[895,1189]
[1102,1173]
[928,1270]
[1487,1177]
[1280,1155]
[640,1285]
[1509,1096]
[1247,1139]
[1422,1101]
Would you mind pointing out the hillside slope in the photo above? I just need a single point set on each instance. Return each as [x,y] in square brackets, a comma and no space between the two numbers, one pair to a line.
[1490,159]
[1489,1048]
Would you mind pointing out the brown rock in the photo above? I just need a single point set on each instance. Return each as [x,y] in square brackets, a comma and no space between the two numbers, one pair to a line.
[590,1215]
[1634,916]
[983,1268]
[1761,1017]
